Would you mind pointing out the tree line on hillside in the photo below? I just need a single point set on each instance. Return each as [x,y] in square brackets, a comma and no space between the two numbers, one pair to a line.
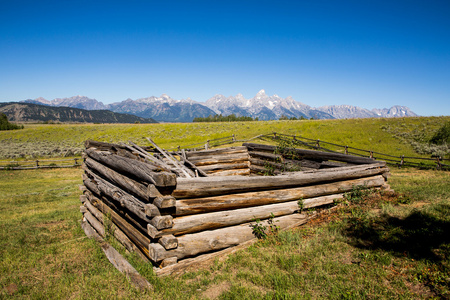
[220,118]
[5,125]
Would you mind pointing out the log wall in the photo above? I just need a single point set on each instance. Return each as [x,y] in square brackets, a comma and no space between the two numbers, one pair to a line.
[170,207]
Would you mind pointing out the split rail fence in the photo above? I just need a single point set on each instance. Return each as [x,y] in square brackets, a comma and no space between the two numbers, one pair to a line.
[40,164]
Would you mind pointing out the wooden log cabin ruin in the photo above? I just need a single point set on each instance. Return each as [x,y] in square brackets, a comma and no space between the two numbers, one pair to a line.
[176,209]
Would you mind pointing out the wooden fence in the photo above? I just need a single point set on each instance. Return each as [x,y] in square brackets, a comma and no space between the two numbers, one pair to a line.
[40,164]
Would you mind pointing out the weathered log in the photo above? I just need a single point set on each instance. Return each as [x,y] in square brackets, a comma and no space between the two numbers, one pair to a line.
[240,172]
[139,239]
[266,155]
[315,154]
[118,261]
[220,185]
[250,199]
[96,224]
[82,198]
[217,159]
[151,210]
[168,262]
[124,182]
[220,151]
[83,209]
[102,145]
[133,168]
[162,222]
[82,188]
[193,244]
[168,242]
[214,220]
[153,232]
[165,201]
[223,167]
[264,170]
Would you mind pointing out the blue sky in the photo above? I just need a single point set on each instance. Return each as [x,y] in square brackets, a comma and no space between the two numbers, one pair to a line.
[372,54]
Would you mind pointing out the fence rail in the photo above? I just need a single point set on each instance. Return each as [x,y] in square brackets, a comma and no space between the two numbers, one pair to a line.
[40,164]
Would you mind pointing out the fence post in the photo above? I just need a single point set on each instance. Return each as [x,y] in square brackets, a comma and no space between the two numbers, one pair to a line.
[346,150]
[274,135]
[76,161]
[371,154]
[37,163]
[402,161]
[318,143]
[207,145]
[438,161]
[234,138]
[179,148]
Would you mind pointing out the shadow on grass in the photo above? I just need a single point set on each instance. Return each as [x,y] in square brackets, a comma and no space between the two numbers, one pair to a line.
[417,236]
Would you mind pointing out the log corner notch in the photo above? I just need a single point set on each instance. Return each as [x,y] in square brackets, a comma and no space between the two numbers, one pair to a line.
[176,208]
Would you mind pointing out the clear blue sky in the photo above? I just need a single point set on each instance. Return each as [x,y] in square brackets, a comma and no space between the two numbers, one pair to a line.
[365,53]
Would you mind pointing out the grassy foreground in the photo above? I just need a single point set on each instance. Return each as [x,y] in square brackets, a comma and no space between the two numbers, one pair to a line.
[384,246]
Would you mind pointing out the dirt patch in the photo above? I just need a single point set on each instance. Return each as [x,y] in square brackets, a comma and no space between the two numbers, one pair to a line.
[11,289]
[215,291]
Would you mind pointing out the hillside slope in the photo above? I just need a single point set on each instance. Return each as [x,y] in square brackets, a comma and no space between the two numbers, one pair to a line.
[28,112]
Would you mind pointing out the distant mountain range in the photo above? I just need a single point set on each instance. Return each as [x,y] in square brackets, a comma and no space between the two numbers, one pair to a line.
[30,112]
[262,106]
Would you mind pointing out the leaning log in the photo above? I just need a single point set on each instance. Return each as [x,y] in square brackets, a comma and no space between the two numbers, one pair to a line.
[220,185]
[242,200]
[118,261]
[193,244]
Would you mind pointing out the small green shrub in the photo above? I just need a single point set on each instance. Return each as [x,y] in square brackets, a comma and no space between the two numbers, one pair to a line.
[442,135]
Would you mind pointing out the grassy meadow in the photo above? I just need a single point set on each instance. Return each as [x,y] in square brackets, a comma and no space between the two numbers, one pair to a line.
[375,245]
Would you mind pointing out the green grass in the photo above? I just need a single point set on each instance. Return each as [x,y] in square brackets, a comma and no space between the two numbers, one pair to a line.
[391,136]
[387,246]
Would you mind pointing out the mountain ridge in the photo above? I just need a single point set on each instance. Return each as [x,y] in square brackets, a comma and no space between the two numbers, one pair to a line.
[261,106]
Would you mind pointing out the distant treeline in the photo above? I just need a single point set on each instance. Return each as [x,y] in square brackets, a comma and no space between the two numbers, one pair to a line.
[283,117]
[5,125]
[220,118]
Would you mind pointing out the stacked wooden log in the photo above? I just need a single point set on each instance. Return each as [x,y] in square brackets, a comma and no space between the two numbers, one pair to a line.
[165,211]
[222,162]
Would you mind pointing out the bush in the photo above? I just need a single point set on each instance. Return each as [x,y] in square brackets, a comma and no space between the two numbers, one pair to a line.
[442,136]
[5,125]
